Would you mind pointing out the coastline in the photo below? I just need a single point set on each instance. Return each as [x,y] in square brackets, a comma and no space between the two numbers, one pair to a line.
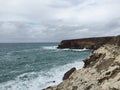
[101,69]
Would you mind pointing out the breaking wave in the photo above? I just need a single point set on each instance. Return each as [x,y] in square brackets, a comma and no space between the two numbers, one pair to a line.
[39,80]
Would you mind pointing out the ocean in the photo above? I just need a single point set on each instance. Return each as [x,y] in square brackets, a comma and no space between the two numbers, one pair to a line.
[34,66]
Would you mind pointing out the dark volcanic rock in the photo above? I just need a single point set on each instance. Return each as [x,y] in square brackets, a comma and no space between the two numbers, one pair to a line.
[68,73]
[88,43]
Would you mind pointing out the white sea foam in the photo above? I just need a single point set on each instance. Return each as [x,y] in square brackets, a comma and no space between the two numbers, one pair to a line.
[79,49]
[49,47]
[28,50]
[55,48]
[75,49]
[39,80]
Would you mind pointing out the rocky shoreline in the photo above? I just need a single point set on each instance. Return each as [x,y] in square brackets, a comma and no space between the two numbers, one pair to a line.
[101,69]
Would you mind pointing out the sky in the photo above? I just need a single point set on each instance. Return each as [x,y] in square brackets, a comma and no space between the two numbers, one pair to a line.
[56,20]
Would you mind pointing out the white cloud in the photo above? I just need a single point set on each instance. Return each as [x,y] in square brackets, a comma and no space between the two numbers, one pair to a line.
[54,20]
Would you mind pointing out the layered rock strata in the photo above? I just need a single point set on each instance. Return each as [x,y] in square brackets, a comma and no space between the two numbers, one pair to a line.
[101,70]
[88,43]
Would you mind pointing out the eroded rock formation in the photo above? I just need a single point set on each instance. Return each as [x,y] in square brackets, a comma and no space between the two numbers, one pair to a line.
[101,70]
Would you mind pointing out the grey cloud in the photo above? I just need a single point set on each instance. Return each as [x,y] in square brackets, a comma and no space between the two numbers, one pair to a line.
[55,20]
[23,32]
[66,3]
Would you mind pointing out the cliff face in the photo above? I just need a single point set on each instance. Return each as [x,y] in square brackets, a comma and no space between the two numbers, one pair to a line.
[88,43]
[101,70]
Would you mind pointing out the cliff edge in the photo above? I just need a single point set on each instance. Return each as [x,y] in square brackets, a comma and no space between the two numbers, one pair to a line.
[88,43]
[101,70]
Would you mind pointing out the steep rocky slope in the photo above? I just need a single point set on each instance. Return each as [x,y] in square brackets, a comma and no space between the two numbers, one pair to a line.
[101,70]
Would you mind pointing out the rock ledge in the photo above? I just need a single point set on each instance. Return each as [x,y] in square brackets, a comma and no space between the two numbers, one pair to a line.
[100,72]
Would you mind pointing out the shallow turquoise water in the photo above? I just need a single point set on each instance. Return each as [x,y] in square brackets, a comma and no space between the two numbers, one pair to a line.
[33,66]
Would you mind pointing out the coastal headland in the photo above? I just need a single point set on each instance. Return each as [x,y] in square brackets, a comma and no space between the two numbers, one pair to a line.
[101,69]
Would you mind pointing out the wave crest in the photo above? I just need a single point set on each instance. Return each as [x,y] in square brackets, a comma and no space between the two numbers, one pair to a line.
[39,80]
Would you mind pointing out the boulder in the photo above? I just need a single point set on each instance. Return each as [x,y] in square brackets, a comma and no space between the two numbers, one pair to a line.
[68,73]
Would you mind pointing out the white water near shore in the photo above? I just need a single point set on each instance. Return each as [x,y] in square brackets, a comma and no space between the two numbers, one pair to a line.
[39,80]
[36,66]
[55,48]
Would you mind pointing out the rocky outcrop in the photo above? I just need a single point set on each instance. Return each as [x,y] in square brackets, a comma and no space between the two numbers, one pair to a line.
[68,73]
[101,70]
[88,43]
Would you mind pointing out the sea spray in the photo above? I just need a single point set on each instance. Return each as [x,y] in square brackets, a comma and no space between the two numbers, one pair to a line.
[36,66]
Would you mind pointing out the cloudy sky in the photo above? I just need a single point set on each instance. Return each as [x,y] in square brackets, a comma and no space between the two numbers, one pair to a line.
[55,20]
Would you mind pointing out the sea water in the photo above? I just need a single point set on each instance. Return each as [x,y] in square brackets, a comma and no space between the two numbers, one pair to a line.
[34,66]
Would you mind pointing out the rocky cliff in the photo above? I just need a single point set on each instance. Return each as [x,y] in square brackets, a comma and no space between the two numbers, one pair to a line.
[88,43]
[101,70]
